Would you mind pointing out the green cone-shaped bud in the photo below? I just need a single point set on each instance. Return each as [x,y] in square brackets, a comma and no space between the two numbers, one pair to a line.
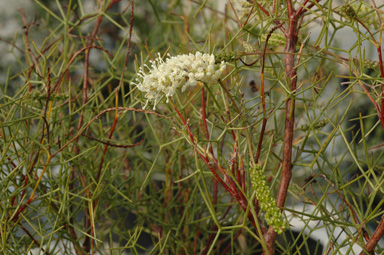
[266,202]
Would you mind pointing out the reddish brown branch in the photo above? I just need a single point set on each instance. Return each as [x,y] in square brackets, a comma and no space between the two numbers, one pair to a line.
[98,116]
[206,132]
[267,13]
[291,36]
[58,83]
[234,12]
[379,232]
[34,240]
[262,92]
[355,217]
[113,144]
[379,109]
[301,10]
[227,182]
[375,238]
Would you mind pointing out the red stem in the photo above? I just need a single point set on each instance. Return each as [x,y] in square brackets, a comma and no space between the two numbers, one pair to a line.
[379,232]
[206,132]
[375,238]
[262,92]
[382,85]
[227,183]
[87,240]
[291,74]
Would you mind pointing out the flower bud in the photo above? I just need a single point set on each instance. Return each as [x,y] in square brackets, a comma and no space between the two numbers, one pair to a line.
[266,202]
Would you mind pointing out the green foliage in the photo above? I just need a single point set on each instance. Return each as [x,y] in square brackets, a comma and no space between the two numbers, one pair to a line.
[86,170]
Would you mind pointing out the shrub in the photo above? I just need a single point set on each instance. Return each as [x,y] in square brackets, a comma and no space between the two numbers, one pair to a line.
[263,118]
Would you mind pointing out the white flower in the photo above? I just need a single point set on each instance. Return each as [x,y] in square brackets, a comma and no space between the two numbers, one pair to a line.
[164,77]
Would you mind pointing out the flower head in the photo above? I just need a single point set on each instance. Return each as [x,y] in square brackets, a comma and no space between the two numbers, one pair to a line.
[266,201]
[163,77]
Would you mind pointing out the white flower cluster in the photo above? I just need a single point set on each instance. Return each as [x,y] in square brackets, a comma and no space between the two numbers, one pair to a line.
[164,77]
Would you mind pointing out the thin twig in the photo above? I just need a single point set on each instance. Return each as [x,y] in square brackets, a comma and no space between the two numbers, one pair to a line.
[101,113]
